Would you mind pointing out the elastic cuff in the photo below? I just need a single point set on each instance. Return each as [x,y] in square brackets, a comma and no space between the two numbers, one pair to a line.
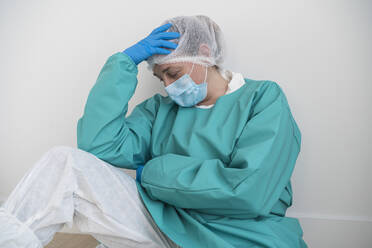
[14,232]
[130,59]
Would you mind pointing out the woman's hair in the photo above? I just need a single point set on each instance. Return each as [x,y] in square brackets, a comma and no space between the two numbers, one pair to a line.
[226,74]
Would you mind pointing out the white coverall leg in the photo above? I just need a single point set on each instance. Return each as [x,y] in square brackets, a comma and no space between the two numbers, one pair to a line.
[71,186]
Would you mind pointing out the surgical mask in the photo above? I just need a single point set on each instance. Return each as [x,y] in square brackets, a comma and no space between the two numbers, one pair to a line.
[185,92]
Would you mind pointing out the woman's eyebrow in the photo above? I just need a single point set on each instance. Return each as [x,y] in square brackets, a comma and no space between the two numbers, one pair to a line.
[162,71]
[166,69]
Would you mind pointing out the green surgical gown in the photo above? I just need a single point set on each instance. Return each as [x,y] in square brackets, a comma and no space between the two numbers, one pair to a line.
[214,177]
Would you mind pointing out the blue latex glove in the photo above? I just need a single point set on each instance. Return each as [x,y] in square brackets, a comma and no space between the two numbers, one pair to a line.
[138,173]
[152,44]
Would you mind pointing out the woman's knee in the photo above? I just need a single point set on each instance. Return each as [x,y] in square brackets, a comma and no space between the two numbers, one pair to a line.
[80,158]
[63,154]
[59,157]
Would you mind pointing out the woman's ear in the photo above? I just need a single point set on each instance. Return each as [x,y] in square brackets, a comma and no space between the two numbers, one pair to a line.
[204,50]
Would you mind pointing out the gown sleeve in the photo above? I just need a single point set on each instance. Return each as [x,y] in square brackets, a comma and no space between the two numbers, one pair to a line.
[261,165]
[103,130]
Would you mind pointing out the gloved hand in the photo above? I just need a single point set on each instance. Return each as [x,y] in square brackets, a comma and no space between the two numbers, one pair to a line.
[138,173]
[152,44]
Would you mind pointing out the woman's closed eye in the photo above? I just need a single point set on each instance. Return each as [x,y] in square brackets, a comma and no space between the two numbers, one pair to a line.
[172,75]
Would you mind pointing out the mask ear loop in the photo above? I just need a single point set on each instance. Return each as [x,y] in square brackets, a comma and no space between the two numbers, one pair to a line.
[191,68]
[206,73]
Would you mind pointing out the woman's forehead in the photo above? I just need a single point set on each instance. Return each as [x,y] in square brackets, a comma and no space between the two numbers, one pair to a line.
[171,65]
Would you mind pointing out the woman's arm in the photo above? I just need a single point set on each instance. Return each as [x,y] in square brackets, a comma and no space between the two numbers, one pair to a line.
[262,163]
[103,130]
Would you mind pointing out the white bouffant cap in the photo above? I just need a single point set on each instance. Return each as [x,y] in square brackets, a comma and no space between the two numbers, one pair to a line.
[201,41]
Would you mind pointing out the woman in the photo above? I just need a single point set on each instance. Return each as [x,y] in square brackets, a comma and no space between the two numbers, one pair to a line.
[213,158]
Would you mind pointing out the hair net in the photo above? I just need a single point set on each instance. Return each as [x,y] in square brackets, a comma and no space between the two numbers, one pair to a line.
[201,41]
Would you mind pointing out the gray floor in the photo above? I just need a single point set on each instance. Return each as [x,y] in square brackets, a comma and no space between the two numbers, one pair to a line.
[70,240]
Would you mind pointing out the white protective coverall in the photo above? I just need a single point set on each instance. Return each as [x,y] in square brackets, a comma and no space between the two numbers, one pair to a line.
[69,186]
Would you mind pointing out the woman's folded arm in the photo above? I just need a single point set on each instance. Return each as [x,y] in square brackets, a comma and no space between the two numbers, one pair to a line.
[261,165]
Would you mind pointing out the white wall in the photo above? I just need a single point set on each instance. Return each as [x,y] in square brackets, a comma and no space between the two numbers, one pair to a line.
[318,51]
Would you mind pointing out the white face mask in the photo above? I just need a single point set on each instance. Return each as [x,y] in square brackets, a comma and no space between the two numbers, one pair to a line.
[185,92]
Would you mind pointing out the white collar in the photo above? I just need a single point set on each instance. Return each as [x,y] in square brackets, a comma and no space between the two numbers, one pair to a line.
[237,81]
